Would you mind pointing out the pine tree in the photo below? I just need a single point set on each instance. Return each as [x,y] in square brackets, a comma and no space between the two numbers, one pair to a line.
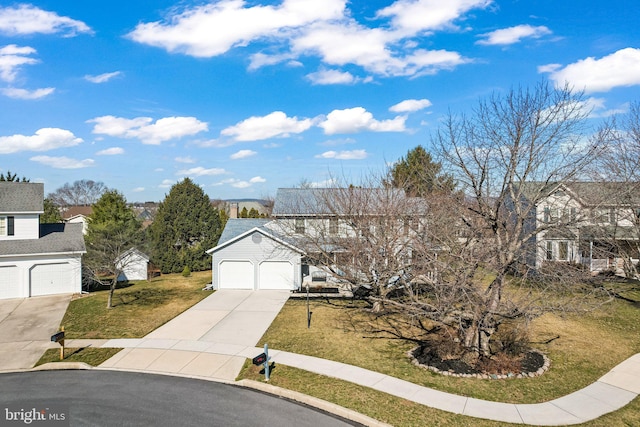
[419,175]
[185,226]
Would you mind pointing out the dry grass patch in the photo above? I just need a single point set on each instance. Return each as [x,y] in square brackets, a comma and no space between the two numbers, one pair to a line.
[137,309]
[588,346]
[88,355]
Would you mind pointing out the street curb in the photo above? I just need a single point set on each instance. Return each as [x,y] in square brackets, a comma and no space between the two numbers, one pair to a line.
[323,405]
[62,366]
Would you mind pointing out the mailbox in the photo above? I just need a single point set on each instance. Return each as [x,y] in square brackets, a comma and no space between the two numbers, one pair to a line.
[57,337]
[260,359]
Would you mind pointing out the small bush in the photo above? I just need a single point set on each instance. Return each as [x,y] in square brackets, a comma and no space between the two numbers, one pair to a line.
[186,272]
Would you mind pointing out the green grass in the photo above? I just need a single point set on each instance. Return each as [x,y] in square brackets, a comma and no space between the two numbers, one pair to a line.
[88,355]
[137,309]
[587,347]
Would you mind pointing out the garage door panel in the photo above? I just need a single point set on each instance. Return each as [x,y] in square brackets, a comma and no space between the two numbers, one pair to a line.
[10,282]
[48,279]
[276,275]
[236,275]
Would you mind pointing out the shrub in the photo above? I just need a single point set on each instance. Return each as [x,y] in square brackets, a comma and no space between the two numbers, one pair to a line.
[186,272]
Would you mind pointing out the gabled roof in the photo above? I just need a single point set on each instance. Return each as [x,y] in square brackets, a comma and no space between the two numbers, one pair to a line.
[21,197]
[58,238]
[134,252]
[73,211]
[238,228]
[292,202]
[589,193]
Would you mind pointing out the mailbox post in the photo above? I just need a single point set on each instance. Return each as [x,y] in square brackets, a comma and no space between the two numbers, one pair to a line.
[59,338]
[263,359]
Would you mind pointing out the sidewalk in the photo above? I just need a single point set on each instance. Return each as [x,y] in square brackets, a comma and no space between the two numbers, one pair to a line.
[611,392]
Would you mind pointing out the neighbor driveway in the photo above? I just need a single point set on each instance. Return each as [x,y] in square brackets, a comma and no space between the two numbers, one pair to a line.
[26,326]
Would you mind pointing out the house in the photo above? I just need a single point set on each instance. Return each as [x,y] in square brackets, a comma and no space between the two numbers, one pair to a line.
[305,224]
[250,255]
[36,259]
[77,215]
[134,265]
[596,224]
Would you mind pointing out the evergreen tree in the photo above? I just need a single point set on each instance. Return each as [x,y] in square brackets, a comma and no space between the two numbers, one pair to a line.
[253,213]
[419,175]
[244,213]
[12,177]
[51,213]
[185,226]
[113,230]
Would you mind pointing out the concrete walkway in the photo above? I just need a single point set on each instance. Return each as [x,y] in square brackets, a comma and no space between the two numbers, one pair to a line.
[204,340]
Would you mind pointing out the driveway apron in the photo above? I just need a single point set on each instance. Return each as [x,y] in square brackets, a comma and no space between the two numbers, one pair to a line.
[26,326]
[207,340]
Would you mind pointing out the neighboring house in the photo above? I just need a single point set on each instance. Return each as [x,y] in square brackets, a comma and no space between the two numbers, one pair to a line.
[77,215]
[36,259]
[587,223]
[134,265]
[272,253]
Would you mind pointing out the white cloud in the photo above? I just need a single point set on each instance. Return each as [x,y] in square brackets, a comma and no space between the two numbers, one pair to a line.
[336,142]
[63,162]
[166,183]
[331,77]
[294,29]
[358,119]
[12,57]
[145,130]
[243,154]
[512,35]
[236,183]
[619,69]
[212,29]
[275,124]
[200,171]
[27,19]
[27,94]
[102,78]
[138,190]
[410,105]
[415,16]
[257,179]
[344,155]
[186,159]
[44,139]
[110,151]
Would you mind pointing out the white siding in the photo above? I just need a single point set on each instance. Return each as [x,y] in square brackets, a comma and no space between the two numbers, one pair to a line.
[134,267]
[257,248]
[26,226]
[64,277]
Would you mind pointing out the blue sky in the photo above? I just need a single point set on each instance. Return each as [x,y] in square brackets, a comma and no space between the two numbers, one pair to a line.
[248,96]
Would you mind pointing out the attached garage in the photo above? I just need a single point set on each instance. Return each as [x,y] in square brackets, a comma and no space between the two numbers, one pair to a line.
[10,282]
[47,279]
[236,275]
[276,275]
[251,256]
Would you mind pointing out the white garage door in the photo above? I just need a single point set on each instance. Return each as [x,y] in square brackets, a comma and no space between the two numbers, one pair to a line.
[235,275]
[10,282]
[276,275]
[47,279]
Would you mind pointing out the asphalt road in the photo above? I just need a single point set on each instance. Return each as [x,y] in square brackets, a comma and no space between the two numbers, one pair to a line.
[110,398]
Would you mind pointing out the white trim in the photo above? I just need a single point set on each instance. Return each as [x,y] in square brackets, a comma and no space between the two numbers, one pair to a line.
[248,232]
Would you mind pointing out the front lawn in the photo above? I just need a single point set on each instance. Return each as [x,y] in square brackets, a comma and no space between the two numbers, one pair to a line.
[137,309]
[581,348]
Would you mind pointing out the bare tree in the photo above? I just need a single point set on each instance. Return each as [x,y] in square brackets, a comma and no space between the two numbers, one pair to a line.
[84,192]
[508,156]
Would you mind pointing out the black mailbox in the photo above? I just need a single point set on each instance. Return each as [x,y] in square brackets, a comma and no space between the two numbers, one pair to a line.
[260,359]
[57,337]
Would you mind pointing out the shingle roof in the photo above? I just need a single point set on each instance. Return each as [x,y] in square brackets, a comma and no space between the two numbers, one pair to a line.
[21,197]
[332,201]
[72,211]
[54,238]
[237,226]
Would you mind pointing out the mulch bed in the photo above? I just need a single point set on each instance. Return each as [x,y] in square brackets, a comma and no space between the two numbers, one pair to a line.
[530,362]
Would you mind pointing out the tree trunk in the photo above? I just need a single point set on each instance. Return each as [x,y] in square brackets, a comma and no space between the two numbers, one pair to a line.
[112,289]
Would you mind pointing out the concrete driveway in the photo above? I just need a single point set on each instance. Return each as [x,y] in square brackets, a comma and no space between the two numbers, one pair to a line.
[26,326]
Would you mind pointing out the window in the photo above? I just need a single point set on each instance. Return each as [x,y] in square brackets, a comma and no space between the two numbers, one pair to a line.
[547,214]
[299,226]
[333,226]
[549,251]
[563,251]
[3,225]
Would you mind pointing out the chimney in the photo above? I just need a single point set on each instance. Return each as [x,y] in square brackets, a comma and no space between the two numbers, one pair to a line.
[233,210]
